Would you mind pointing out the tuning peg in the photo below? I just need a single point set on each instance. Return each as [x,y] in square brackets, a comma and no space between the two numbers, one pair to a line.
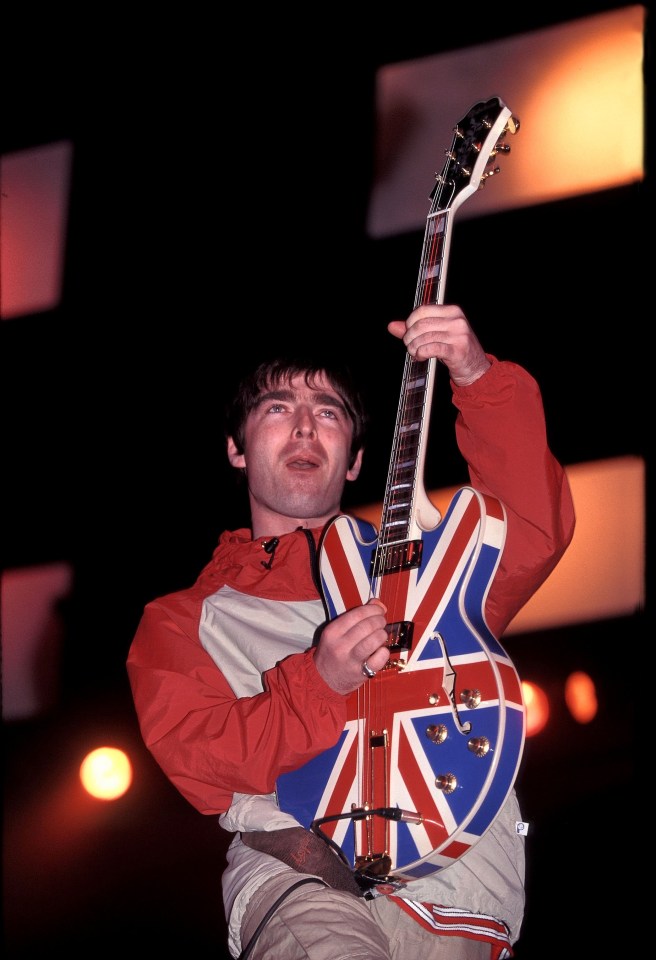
[486,176]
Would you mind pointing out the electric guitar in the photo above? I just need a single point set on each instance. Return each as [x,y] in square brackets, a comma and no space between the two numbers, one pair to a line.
[432,743]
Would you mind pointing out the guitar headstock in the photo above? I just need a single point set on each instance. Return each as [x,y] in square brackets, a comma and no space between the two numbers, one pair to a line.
[478,140]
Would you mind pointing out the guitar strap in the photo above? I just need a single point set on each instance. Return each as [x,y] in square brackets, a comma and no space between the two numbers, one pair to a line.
[304,851]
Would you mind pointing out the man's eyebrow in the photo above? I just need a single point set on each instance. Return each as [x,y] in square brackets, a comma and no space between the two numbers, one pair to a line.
[330,400]
[275,395]
[317,396]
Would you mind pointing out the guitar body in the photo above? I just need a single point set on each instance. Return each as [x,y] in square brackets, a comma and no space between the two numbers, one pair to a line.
[432,743]
[427,688]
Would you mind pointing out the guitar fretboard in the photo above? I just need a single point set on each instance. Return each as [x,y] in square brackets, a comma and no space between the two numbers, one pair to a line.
[415,396]
[397,505]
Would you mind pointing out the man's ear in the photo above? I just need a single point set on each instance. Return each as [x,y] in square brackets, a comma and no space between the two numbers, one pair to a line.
[236,459]
[353,472]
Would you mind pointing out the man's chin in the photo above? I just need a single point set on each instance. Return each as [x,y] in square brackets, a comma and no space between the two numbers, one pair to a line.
[309,512]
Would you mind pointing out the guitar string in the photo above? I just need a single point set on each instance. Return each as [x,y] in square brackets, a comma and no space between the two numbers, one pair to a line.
[373,700]
[371,695]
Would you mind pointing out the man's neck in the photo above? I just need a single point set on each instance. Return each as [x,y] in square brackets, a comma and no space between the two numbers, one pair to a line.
[274,525]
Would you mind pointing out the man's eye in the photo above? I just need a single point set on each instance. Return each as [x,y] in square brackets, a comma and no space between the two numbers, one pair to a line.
[331,414]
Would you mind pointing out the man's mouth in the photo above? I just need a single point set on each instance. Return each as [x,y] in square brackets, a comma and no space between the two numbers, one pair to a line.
[302,464]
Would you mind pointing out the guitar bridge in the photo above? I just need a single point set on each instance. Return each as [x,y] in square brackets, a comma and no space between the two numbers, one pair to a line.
[395,557]
[376,867]
[400,635]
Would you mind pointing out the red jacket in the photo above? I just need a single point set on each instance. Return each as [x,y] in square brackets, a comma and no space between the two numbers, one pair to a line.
[212,742]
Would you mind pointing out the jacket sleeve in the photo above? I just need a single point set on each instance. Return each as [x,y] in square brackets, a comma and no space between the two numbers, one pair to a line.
[209,743]
[501,432]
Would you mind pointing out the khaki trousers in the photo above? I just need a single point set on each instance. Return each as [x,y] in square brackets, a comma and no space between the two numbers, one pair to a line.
[316,922]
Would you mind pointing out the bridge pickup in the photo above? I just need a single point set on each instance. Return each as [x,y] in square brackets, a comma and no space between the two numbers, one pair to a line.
[400,635]
[395,557]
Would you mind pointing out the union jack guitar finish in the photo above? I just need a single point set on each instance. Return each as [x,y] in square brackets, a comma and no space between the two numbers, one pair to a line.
[433,743]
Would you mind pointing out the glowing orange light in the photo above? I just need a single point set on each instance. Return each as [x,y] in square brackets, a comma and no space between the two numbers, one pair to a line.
[106,773]
[581,697]
[537,708]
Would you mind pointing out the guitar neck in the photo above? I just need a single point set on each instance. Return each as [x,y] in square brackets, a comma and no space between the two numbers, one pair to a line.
[477,141]
[406,505]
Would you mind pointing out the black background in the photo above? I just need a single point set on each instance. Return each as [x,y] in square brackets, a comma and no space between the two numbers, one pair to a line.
[218,207]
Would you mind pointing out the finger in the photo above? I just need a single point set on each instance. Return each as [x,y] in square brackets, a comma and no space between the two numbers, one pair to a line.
[397,328]
[375,662]
[377,601]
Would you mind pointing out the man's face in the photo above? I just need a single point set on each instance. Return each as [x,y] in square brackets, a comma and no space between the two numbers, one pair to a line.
[297,443]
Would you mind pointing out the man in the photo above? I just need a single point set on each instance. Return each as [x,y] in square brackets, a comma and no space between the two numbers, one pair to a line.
[240,679]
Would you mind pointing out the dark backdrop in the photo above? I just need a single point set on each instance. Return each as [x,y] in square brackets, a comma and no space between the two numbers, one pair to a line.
[218,205]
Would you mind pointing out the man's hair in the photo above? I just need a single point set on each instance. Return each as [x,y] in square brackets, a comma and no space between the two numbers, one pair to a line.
[270,374]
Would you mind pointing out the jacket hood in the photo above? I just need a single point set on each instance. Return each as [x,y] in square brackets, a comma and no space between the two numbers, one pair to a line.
[280,568]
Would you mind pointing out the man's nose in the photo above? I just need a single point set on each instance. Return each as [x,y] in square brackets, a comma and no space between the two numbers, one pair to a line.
[304,424]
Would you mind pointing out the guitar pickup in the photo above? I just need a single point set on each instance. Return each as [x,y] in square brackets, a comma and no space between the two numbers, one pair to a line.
[396,557]
[400,635]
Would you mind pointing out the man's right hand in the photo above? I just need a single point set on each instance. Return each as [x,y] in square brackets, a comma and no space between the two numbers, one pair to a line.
[347,642]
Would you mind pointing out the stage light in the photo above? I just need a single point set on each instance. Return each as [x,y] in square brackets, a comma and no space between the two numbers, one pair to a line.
[106,773]
[578,91]
[34,215]
[581,697]
[537,708]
